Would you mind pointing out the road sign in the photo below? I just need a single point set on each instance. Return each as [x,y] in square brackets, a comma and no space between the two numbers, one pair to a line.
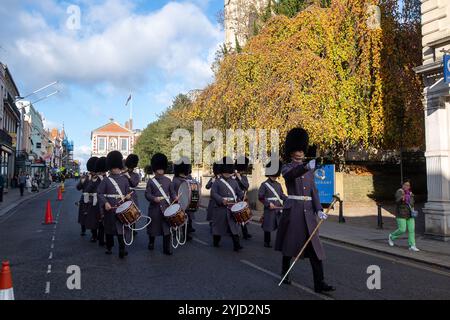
[326,187]
[447,68]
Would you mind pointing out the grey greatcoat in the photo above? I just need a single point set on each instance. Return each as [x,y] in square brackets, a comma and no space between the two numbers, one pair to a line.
[93,211]
[159,225]
[134,180]
[209,210]
[82,206]
[299,218]
[243,183]
[223,222]
[112,225]
[175,187]
[266,196]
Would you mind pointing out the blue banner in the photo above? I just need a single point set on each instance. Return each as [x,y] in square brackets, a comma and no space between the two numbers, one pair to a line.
[325,186]
[447,68]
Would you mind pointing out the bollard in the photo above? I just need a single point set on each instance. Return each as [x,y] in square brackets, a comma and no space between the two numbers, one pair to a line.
[379,217]
[341,212]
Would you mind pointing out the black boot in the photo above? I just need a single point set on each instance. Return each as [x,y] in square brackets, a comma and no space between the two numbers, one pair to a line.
[236,244]
[101,235]
[319,284]
[190,228]
[286,263]
[122,252]
[245,233]
[167,245]
[216,241]
[109,243]
[94,235]
[151,243]
[323,287]
[267,240]
[83,231]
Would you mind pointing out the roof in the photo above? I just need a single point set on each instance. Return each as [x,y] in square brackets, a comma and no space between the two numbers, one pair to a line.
[113,127]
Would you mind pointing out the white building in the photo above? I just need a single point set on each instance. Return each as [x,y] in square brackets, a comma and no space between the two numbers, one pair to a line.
[113,136]
[436,40]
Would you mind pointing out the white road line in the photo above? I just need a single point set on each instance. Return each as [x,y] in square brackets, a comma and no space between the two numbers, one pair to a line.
[52,246]
[53,238]
[200,241]
[49,269]
[276,276]
[400,260]
[47,287]
[202,223]
[50,257]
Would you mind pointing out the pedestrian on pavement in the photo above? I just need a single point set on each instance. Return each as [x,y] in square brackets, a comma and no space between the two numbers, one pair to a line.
[2,186]
[405,216]
[22,183]
[28,183]
[272,197]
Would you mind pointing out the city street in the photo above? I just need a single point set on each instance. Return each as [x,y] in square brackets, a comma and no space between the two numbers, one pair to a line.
[40,255]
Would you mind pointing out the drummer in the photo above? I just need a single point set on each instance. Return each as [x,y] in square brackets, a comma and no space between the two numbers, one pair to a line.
[182,170]
[112,192]
[216,175]
[240,175]
[84,199]
[134,178]
[272,196]
[225,192]
[159,195]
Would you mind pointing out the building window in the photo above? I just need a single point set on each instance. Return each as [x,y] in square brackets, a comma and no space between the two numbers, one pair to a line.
[123,144]
[38,145]
[101,144]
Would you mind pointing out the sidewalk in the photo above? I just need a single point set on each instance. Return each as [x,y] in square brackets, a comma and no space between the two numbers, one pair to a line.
[12,199]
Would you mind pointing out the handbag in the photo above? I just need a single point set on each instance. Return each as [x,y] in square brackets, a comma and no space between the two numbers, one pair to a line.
[414,213]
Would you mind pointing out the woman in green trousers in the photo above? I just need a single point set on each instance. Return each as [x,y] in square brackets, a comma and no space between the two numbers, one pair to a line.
[405,216]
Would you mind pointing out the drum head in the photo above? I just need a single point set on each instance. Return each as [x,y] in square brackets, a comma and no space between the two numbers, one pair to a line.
[239,206]
[124,206]
[172,210]
[185,192]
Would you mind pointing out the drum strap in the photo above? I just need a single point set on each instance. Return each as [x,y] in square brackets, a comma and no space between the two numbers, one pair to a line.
[161,190]
[116,186]
[230,188]
[274,192]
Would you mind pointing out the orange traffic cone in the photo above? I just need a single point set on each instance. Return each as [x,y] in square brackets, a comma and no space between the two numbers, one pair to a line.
[6,287]
[60,197]
[48,214]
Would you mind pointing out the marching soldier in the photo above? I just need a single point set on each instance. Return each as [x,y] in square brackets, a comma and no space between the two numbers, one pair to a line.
[93,210]
[272,196]
[301,210]
[216,173]
[84,200]
[159,195]
[112,192]
[225,192]
[182,171]
[240,175]
[101,172]
[134,178]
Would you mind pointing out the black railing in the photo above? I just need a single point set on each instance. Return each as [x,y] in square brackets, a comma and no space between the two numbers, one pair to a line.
[5,138]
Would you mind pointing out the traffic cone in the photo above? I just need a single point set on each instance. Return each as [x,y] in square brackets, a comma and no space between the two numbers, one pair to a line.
[60,197]
[62,187]
[48,214]
[6,287]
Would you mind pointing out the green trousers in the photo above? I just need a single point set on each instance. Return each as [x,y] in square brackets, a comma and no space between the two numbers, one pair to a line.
[402,225]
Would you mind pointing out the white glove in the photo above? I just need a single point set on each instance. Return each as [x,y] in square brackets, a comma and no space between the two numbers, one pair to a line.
[311,165]
[322,215]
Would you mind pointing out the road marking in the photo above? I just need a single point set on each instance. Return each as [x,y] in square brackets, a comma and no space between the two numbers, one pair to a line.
[53,238]
[52,246]
[202,223]
[47,287]
[49,269]
[200,241]
[403,261]
[50,257]
[276,276]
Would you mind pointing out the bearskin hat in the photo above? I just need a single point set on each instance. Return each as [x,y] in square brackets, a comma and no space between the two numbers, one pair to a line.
[242,164]
[227,165]
[296,140]
[216,168]
[132,161]
[159,162]
[148,169]
[114,160]
[182,166]
[91,163]
[273,171]
[101,165]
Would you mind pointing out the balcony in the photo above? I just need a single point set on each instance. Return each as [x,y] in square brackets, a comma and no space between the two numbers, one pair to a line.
[5,138]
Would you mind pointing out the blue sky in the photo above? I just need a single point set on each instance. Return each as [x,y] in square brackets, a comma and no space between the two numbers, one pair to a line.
[154,48]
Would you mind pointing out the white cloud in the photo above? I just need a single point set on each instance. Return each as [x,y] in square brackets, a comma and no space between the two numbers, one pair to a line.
[82,154]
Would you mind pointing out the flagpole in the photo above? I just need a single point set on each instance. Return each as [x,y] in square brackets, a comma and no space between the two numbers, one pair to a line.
[131,111]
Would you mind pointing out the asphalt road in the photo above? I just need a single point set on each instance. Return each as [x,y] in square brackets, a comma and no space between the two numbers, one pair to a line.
[41,254]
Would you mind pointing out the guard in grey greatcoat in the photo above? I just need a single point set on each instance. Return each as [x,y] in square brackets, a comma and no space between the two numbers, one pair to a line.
[93,212]
[134,178]
[110,198]
[159,195]
[225,191]
[216,173]
[301,210]
[241,168]
[101,173]
[182,170]
[271,194]
[83,204]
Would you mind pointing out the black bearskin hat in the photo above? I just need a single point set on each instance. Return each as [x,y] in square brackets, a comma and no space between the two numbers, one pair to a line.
[159,162]
[148,170]
[114,160]
[91,163]
[182,166]
[242,164]
[296,140]
[216,168]
[101,165]
[273,171]
[227,165]
[132,161]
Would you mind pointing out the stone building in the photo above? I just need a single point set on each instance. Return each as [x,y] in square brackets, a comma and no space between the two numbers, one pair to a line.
[436,99]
